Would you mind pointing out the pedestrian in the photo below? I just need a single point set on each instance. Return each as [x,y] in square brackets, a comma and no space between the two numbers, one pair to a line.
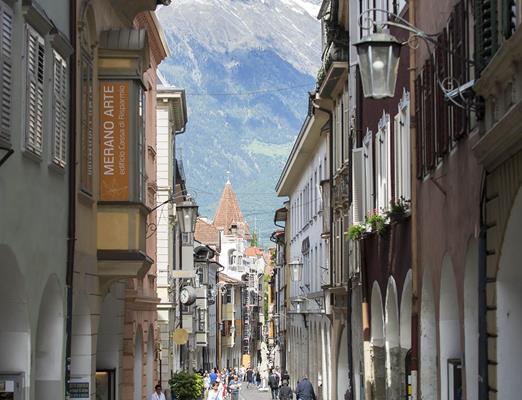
[273,383]
[158,394]
[285,392]
[305,390]
[258,378]
[216,393]
[249,376]
[234,387]
[213,376]
[285,376]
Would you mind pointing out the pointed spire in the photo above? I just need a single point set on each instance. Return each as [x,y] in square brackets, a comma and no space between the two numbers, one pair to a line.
[228,213]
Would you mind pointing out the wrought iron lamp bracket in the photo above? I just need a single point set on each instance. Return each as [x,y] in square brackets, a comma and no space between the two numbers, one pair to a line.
[454,91]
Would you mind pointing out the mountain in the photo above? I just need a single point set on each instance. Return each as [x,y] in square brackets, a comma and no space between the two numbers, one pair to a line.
[246,66]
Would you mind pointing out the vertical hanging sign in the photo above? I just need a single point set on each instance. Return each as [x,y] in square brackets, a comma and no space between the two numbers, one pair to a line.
[114,140]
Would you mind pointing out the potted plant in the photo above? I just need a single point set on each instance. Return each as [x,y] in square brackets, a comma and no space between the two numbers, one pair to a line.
[186,385]
[376,222]
[398,209]
[356,232]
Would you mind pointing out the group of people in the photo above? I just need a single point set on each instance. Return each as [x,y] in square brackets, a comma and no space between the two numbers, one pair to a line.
[280,389]
[221,385]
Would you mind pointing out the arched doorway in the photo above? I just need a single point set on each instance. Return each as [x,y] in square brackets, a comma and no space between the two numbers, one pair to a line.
[428,340]
[471,312]
[150,360]
[49,342]
[377,344]
[449,333]
[393,362]
[15,333]
[138,364]
[342,365]
[509,312]
[405,329]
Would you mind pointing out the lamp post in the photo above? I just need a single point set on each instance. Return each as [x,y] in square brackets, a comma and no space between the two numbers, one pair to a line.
[187,212]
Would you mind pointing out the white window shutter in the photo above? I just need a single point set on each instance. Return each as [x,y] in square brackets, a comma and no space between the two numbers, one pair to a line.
[368,174]
[60,110]
[398,140]
[35,58]
[357,185]
[6,40]
[406,152]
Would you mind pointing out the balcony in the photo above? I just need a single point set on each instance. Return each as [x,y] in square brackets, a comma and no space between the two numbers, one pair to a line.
[121,241]
[130,9]
[334,71]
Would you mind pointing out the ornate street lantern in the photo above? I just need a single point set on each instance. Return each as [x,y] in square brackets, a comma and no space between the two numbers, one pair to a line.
[187,213]
[296,269]
[378,63]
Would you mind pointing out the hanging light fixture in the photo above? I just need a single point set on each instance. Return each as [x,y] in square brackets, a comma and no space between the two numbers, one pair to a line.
[296,269]
[379,55]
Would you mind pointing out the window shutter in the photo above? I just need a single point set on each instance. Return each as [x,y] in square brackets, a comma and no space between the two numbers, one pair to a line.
[441,106]
[486,40]
[429,131]
[60,110]
[34,91]
[405,142]
[369,193]
[357,185]
[419,121]
[508,17]
[457,27]
[6,40]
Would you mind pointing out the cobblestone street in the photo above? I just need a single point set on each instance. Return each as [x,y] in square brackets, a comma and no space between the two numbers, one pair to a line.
[253,393]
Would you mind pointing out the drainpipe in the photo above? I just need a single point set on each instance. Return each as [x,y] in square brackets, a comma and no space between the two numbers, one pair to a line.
[483,334]
[71,209]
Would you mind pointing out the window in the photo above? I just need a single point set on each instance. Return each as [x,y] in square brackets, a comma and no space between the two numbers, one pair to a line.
[402,149]
[35,69]
[60,110]
[228,296]
[86,124]
[382,163]
[346,124]
[367,171]
[6,63]
[142,176]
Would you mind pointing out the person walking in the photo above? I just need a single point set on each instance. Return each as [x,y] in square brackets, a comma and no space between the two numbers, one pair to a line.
[216,392]
[305,390]
[285,391]
[273,383]
[234,387]
[158,394]
[249,376]
[258,378]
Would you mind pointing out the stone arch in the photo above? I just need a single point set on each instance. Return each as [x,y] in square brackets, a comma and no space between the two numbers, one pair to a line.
[342,364]
[428,340]
[509,312]
[392,341]
[405,328]
[150,360]
[357,343]
[49,342]
[15,339]
[138,364]
[471,312]
[378,343]
[449,327]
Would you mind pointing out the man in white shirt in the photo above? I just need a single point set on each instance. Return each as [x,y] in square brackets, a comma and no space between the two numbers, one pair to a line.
[158,394]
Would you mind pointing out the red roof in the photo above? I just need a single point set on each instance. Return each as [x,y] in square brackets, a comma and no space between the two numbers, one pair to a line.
[206,233]
[228,213]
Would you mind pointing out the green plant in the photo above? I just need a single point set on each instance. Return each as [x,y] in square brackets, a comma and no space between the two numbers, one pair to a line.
[356,232]
[376,222]
[186,385]
[399,206]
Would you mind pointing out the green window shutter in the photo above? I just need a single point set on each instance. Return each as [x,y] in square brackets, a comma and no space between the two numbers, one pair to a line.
[508,8]
[486,32]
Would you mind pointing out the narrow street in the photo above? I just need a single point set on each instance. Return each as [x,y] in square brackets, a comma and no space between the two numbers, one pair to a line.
[253,393]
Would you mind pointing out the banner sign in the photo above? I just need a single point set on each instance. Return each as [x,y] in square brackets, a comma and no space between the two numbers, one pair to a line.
[114,140]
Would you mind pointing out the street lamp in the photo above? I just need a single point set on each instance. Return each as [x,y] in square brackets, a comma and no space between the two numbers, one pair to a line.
[296,269]
[187,212]
[378,64]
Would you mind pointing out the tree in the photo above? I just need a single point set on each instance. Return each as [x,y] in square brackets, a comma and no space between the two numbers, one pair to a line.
[186,385]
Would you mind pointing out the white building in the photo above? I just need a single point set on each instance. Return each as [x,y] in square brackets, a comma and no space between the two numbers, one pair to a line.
[171,120]
[308,328]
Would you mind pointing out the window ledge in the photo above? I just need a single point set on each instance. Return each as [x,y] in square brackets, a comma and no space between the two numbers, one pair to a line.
[35,15]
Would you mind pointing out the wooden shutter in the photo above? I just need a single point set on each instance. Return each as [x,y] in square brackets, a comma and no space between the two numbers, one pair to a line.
[34,91]
[508,9]
[457,27]
[441,106]
[357,185]
[60,110]
[6,40]
[419,126]
[429,114]
[486,40]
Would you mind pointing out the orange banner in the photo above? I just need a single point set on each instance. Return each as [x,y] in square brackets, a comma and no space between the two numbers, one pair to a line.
[114,140]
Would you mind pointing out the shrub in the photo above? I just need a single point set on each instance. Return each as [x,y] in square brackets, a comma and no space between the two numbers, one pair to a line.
[186,385]
[376,222]
[356,232]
